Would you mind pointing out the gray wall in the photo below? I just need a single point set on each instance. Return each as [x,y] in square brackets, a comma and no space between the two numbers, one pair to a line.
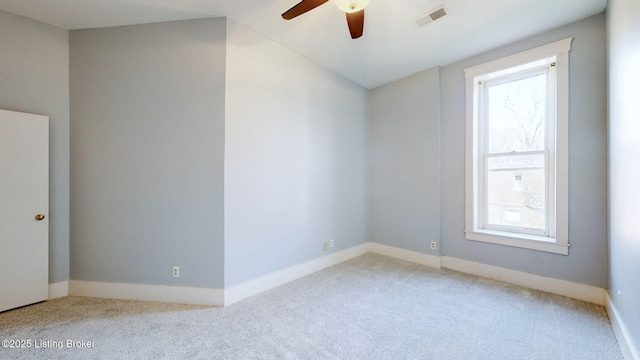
[405,162]
[34,78]
[587,259]
[147,109]
[296,158]
[623,27]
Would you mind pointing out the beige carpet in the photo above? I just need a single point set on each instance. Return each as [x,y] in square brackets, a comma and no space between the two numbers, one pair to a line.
[371,307]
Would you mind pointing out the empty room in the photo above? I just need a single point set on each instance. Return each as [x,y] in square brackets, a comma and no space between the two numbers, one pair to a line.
[286,179]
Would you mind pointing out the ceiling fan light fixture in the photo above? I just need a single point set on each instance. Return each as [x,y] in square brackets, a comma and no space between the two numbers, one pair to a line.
[351,6]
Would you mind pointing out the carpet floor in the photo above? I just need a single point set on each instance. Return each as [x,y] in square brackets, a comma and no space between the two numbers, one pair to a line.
[370,307]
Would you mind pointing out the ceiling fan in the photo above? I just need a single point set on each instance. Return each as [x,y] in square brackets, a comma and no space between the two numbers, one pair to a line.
[354,9]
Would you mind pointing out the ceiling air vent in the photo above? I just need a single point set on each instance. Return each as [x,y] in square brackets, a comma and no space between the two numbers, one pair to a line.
[431,16]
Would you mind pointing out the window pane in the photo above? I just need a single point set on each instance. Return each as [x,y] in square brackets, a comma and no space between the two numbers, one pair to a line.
[516,112]
[521,206]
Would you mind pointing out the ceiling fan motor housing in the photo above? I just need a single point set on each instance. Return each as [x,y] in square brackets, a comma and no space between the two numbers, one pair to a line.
[351,6]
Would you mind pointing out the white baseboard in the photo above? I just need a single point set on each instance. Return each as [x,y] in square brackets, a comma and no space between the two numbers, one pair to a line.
[142,292]
[406,255]
[622,334]
[58,290]
[253,287]
[235,293]
[566,288]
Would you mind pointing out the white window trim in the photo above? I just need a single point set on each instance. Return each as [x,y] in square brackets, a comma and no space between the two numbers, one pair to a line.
[559,244]
[548,153]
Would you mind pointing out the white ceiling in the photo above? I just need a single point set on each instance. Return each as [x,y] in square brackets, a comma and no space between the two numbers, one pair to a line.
[391,47]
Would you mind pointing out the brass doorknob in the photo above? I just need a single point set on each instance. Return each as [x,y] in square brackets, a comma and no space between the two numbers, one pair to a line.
[40,217]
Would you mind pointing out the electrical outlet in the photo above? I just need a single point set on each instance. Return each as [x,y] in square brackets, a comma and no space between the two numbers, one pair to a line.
[176,271]
[619,299]
[333,243]
[325,246]
[433,245]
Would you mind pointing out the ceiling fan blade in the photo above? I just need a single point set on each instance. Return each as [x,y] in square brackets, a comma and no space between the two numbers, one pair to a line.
[356,23]
[301,8]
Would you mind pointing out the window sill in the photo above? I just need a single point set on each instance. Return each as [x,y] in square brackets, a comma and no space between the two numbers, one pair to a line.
[525,241]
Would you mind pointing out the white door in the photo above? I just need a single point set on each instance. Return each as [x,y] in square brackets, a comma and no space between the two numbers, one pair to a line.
[24,209]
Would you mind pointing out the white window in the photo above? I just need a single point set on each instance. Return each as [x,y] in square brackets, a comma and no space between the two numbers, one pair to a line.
[517,183]
[517,128]
[513,216]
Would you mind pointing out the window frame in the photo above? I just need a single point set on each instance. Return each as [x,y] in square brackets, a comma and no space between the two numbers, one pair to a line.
[556,239]
[546,68]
